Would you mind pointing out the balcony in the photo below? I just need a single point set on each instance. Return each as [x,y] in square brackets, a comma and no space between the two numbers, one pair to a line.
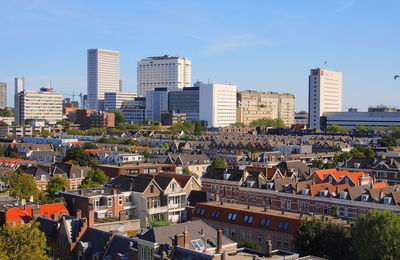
[158,210]
[176,206]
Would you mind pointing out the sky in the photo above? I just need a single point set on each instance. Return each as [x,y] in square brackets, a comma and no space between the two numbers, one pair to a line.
[260,45]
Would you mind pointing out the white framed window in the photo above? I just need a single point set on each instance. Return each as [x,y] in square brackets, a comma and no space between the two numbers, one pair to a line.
[109,202]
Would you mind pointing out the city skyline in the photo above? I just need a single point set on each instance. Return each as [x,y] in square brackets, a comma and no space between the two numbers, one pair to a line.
[270,47]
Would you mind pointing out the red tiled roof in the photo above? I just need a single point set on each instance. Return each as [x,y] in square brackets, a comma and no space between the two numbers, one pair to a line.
[322,173]
[316,188]
[379,185]
[293,222]
[25,213]
[95,150]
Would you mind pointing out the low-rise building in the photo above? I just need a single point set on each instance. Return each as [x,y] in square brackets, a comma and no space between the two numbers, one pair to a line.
[89,118]
[172,118]
[131,169]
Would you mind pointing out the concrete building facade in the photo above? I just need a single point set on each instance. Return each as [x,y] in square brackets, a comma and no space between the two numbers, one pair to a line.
[117,100]
[217,104]
[102,76]
[156,103]
[324,94]
[163,71]
[185,101]
[352,119]
[253,105]
[3,95]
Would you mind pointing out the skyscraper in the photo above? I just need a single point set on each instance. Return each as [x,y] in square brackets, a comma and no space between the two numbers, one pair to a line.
[163,71]
[3,94]
[19,86]
[217,104]
[324,94]
[102,76]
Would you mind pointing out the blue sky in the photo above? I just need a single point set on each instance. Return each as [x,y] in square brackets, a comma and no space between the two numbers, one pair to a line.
[261,45]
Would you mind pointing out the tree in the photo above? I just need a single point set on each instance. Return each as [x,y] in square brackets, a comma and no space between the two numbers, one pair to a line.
[165,146]
[56,184]
[318,163]
[23,242]
[333,128]
[250,244]
[362,152]
[157,222]
[237,124]
[78,155]
[63,122]
[146,154]
[95,178]
[186,171]
[89,145]
[363,128]
[388,141]
[75,132]
[276,123]
[46,133]
[119,117]
[218,163]
[377,235]
[4,112]
[315,236]
[22,185]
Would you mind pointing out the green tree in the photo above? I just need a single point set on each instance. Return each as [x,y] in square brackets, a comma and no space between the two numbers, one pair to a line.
[56,184]
[165,146]
[388,141]
[23,242]
[4,112]
[146,154]
[2,151]
[46,133]
[63,122]
[89,145]
[218,163]
[75,132]
[276,123]
[78,155]
[22,185]
[237,124]
[327,239]
[361,128]
[95,131]
[362,152]
[250,244]
[377,236]
[333,128]
[318,163]
[95,178]
[119,116]
[157,222]
[186,171]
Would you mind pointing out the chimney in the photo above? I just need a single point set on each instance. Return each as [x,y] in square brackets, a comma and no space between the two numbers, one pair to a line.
[216,197]
[248,206]
[268,251]
[78,213]
[114,232]
[90,215]
[219,240]
[35,212]
[80,192]
[179,240]
[114,191]
[56,216]
[283,212]
[122,215]
[186,237]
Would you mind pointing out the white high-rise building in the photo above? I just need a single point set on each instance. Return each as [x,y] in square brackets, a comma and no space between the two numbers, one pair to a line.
[102,76]
[324,94]
[117,100]
[163,72]
[3,94]
[217,104]
[43,106]
[18,87]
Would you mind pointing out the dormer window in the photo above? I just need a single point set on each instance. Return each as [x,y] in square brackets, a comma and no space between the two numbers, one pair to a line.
[323,193]
[346,180]
[387,200]
[343,195]
[270,186]
[364,197]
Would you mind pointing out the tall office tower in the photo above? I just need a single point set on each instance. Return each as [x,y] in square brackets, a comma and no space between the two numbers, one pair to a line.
[254,105]
[185,101]
[44,106]
[102,76]
[156,103]
[217,104]
[3,95]
[117,100]
[324,94]
[19,86]
[163,71]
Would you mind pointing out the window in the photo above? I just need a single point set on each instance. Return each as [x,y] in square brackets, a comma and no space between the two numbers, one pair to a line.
[266,222]
[283,225]
[248,219]
[151,188]
[201,211]
[285,243]
[232,216]
[96,202]
[260,239]
[278,242]
[216,213]
[120,200]
[109,202]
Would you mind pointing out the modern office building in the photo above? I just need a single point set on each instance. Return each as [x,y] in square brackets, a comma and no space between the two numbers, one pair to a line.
[254,105]
[3,95]
[352,119]
[43,106]
[217,104]
[324,94]
[117,100]
[185,101]
[19,85]
[102,76]
[156,103]
[163,71]
[136,112]
[301,118]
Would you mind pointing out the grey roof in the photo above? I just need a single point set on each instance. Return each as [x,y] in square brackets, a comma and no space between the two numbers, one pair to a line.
[218,174]
[129,183]
[197,196]
[197,230]
[120,245]
[180,253]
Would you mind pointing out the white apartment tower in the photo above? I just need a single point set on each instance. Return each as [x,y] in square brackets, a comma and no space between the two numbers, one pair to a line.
[324,94]
[102,76]
[163,72]
[18,87]
[217,104]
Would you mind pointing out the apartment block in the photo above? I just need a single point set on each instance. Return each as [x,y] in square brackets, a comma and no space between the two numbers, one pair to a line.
[254,105]
[118,100]
[3,95]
